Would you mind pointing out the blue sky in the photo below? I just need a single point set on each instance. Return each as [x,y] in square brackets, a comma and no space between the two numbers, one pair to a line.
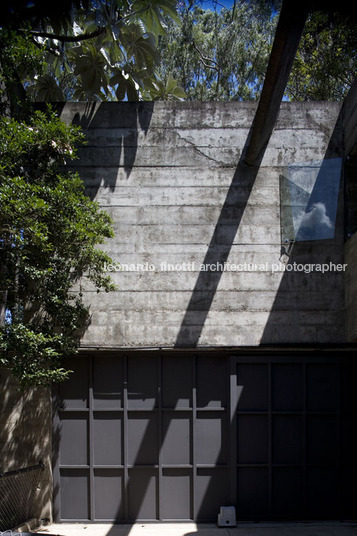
[209,4]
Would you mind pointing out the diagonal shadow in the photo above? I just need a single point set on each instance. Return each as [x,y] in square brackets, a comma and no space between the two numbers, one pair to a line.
[192,325]
[198,308]
[286,41]
[314,244]
[135,503]
[136,493]
[193,322]
[218,251]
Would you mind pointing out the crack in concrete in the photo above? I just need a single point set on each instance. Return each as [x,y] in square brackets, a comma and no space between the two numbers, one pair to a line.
[202,153]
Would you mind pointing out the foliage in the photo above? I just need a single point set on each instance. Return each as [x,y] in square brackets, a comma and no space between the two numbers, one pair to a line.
[169,91]
[219,55]
[102,50]
[20,59]
[326,62]
[49,231]
[223,55]
[121,50]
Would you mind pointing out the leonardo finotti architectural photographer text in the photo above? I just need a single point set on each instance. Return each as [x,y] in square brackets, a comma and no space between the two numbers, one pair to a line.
[306,268]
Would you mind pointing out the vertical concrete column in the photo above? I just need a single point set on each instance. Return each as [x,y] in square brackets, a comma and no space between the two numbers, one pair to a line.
[350,250]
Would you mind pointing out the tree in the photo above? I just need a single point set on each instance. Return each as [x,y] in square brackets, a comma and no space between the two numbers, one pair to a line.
[219,55]
[93,50]
[223,54]
[49,236]
[49,229]
[19,58]
[326,62]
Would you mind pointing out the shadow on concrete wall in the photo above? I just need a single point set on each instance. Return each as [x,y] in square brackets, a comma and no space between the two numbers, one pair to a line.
[136,493]
[218,251]
[289,319]
[195,316]
[309,304]
[293,291]
[132,118]
[207,283]
[113,151]
[25,433]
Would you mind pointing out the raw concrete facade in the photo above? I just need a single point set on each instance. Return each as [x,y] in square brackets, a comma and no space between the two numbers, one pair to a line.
[173,178]
[350,153]
[246,262]
[184,204]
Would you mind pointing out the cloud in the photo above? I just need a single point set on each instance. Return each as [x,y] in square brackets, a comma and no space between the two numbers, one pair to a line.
[316,217]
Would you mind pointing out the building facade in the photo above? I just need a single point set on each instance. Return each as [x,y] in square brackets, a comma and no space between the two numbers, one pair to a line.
[221,371]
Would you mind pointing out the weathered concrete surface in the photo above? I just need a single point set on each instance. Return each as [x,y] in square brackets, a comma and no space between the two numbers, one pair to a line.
[25,436]
[170,176]
[351,289]
[350,137]
[350,113]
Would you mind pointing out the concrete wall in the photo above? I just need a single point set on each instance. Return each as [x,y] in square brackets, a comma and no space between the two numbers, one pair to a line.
[25,436]
[350,136]
[350,121]
[351,289]
[173,178]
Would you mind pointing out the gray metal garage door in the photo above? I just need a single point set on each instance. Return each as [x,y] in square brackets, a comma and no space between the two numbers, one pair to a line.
[297,443]
[175,436]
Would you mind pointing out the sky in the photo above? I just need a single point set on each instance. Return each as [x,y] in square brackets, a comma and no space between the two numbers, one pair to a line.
[209,4]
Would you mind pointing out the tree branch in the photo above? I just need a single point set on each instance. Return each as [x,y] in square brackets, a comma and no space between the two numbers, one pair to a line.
[81,37]
[204,59]
[66,38]
[51,50]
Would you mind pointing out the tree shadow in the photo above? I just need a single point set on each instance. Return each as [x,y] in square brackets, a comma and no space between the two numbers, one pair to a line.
[102,157]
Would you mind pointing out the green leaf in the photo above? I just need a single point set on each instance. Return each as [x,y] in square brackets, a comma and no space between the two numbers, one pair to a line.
[141,48]
[91,68]
[152,14]
[124,86]
[46,89]
[161,91]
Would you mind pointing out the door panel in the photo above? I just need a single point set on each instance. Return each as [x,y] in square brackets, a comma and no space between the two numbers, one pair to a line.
[292,436]
[143,437]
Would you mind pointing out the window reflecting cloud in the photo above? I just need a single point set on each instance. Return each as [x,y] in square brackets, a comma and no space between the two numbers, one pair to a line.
[308,200]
